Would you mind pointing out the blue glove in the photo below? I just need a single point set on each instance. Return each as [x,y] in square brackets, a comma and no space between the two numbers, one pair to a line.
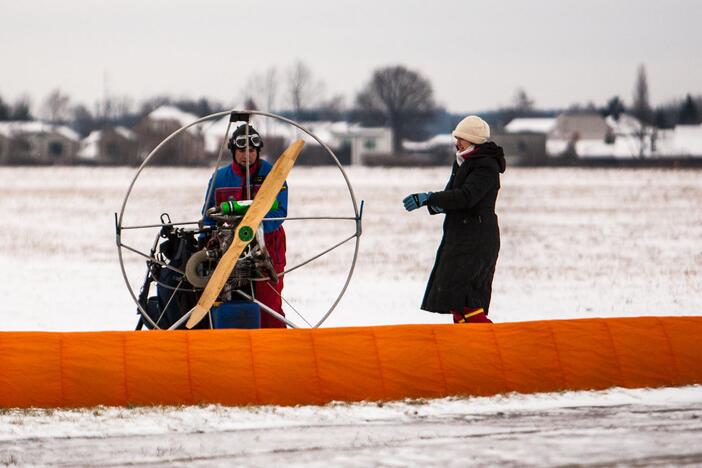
[415,200]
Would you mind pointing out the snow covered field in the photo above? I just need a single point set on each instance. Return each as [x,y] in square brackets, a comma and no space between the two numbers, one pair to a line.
[625,427]
[575,243]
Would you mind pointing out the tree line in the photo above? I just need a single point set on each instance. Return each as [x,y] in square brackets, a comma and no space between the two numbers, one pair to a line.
[394,96]
[681,111]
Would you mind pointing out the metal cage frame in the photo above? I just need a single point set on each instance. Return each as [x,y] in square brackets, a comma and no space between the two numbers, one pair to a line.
[238,116]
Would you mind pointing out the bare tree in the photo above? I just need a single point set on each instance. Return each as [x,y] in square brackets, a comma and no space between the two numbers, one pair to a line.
[150,104]
[614,107]
[304,91]
[689,113]
[522,106]
[400,98]
[262,88]
[522,103]
[250,104]
[82,120]
[333,108]
[22,109]
[56,108]
[113,109]
[4,110]
[200,107]
[642,109]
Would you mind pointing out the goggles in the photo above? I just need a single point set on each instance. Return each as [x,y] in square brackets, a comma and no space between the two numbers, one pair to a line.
[254,141]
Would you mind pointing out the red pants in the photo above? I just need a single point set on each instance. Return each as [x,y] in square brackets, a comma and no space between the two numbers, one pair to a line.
[269,293]
[476,315]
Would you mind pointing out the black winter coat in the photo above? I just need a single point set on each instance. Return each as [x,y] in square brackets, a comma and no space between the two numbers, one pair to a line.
[465,262]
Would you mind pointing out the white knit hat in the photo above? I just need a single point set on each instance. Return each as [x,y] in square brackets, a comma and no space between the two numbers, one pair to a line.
[473,129]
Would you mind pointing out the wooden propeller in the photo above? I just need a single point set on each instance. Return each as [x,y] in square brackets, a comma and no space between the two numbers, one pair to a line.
[244,233]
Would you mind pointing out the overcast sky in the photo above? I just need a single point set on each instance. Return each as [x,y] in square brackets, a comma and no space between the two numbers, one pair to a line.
[475,53]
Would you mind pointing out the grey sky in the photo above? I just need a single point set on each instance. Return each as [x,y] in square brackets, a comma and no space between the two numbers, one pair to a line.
[475,53]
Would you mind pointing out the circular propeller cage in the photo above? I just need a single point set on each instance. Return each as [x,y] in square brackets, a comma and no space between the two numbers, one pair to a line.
[165,221]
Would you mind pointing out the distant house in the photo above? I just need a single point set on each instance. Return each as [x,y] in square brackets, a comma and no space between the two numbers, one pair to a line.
[188,147]
[579,126]
[580,134]
[621,139]
[367,143]
[37,143]
[351,143]
[531,125]
[442,141]
[524,140]
[437,150]
[113,146]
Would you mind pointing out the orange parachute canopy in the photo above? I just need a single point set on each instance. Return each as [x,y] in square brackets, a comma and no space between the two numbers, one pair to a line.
[289,367]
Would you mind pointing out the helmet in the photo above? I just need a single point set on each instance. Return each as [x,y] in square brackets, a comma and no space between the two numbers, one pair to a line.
[238,139]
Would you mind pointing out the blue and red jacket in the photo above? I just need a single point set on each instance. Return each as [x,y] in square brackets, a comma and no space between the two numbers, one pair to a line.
[229,184]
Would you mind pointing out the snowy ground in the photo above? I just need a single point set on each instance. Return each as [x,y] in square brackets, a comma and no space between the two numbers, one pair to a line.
[575,243]
[622,427]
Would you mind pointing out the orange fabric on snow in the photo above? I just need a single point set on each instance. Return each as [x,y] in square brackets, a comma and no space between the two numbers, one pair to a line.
[288,367]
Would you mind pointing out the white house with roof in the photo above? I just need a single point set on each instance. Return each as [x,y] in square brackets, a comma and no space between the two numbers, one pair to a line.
[539,125]
[188,147]
[351,143]
[524,139]
[36,142]
[596,137]
[444,140]
[167,116]
[112,145]
[362,144]
[366,143]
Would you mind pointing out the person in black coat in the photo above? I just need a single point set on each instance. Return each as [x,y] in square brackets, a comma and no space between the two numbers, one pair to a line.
[461,280]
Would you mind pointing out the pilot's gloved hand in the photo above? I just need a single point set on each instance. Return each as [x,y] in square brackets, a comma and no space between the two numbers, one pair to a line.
[416,200]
